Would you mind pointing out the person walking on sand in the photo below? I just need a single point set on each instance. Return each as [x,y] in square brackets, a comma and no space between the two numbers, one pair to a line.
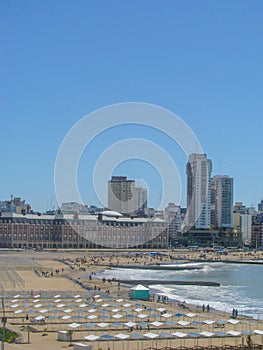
[208,308]
[203,307]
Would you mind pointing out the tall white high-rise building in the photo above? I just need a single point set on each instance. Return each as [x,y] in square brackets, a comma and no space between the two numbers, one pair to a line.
[222,201]
[198,171]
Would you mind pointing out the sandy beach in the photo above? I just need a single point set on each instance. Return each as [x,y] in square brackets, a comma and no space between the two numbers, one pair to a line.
[95,307]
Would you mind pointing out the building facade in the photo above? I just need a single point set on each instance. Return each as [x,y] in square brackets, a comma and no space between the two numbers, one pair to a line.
[172,215]
[257,231]
[198,171]
[81,231]
[124,197]
[221,201]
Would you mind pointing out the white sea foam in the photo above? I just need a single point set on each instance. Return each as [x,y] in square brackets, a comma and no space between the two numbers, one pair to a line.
[241,285]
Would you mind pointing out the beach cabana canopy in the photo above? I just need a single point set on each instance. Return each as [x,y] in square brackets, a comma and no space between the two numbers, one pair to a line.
[74,325]
[233,321]
[157,324]
[130,324]
[91,337]
[166,315]
[234,333]
[209,322]
[122,336]
[151,335]
[183,323]
[179,334]
[18,311]
[207,334]
[102,324]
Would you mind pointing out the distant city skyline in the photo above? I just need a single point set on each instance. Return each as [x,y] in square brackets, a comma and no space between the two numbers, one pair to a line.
[201,60]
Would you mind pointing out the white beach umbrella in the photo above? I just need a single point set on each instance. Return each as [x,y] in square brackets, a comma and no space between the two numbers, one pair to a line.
[14,305]
[105,305]
[117,316]
[57,300]
[119,300]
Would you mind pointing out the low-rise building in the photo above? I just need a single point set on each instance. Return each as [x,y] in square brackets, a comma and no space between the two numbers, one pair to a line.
[108,229]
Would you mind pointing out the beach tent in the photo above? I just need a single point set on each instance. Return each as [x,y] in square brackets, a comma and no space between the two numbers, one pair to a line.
[80,346]
[139,292]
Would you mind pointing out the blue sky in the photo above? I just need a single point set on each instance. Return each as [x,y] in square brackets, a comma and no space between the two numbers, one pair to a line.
[61,60]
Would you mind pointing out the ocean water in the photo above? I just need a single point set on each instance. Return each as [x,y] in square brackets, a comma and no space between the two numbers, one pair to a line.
[241,285]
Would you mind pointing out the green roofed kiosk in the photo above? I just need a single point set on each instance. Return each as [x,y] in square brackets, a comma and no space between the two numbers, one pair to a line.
[139,292]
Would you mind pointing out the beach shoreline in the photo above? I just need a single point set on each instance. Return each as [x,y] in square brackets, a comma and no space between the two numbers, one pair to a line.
[71,267]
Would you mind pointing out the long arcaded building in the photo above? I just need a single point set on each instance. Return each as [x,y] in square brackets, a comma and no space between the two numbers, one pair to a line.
[108,229]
